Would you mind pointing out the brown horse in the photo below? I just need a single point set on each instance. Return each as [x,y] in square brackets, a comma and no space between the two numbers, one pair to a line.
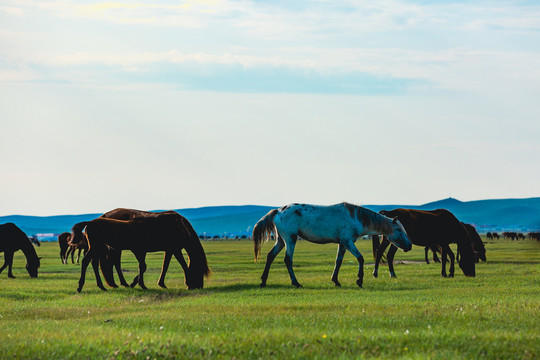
[13,239]
[477,244]
[113,257]
[495,236]
[431,228]
[168,231]
[63,240]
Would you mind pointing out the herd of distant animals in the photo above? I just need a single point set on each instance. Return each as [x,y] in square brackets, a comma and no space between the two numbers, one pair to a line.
[102,240]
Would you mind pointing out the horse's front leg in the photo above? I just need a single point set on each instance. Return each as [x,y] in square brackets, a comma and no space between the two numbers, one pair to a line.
[339,260]
[390,259]
[165,267]
[95,266]
[380,252]
[79,255]
[353,250]
[279,245]
[452,258]
[426,249]
[443,260]
[289,251]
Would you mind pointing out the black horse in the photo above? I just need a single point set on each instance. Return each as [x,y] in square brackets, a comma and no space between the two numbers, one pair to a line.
[431,228]
[13,239]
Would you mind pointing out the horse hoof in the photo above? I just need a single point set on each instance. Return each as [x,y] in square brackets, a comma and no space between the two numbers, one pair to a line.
[262,285]
[297,285]
[375,275]
[132,285]
[11,276]
[393,276]
[444,275]
[337,284]
[359,283]
[79,289]
[162,286]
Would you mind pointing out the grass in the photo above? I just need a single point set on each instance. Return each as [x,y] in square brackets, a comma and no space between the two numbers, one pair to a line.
[418,315]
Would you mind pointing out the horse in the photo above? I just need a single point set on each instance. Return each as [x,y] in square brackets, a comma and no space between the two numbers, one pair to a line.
[520,236]
[63,242]
[421,227]
[434,249]
[167,232]
[534,235]
[340,224]
[13,239]
[489,236]
[495,236]
[113,257]
[510,235]
[34,240]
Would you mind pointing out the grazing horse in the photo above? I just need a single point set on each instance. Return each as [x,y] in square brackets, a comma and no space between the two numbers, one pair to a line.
[495,236]
[341,224]
[510,235]
[63,242]
[489,236]
[167,232]
[13,239]
[426,228]
[113,257]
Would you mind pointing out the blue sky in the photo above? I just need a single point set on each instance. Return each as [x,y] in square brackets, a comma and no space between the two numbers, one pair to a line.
[172,104]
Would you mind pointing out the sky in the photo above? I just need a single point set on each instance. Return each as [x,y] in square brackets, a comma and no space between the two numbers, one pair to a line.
[179,104]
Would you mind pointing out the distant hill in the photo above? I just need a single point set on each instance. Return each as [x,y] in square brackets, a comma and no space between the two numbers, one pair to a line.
[486,215]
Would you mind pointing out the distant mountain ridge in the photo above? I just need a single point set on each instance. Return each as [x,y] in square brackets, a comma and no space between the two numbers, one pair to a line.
[486,215]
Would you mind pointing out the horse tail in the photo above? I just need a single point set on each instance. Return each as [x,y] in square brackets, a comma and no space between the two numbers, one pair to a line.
[106,267]
[262,232]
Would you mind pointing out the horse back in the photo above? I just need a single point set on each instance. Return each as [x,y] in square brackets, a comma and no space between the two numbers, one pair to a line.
[11,237]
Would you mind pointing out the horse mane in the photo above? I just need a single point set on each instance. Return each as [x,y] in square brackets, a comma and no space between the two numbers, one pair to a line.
[195,249]
[369,218]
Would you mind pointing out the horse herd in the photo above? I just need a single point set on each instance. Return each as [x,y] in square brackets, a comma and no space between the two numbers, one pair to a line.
[103,239]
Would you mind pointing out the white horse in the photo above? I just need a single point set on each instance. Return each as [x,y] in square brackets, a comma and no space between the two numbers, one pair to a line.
[340,224]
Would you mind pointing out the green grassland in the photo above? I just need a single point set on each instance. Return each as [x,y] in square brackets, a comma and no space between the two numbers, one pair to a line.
[418,315]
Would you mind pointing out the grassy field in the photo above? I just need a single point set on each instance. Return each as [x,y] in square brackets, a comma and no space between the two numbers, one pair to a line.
[418,315]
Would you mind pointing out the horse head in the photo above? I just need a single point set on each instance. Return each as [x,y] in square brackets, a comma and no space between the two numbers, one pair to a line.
[32,267]
[399,236]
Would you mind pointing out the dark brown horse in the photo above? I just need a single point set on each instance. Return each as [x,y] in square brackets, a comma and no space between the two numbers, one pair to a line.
[13,239]
[113,257]
[431,228]
[63,240]
[168,231]
[495,236]
[477,244]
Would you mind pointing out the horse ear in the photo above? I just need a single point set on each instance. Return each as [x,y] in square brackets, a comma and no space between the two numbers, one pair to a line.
[39,258]
[395,220]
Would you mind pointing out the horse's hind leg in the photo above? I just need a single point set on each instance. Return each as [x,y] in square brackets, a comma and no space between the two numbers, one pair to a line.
[353,250]
[79,255]
[426,249]
[447,251]
[390,258]
[85,261]
[95,266]
[117,262]
[164,268]
[270,258]
[8,262]
[380,252]
[339,260]
[289,251]
[142,268]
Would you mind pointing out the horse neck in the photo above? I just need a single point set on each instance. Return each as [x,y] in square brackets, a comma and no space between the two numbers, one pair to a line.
[28,250]
[378,224]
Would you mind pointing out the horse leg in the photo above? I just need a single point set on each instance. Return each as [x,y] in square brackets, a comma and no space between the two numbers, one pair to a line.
[117,262]
[8,262]
[339,260]
[142,268]
[280,244]
[353,250]
[164,268]
[426,249]
[85,261]
[79,255]
[443,260]
[451,256]
[390,259]
[95,266]
[380,252]
[435,256]
[72,253]
[289,252]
